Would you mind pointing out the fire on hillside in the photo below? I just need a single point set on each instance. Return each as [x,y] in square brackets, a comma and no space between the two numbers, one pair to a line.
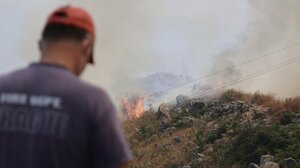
[133,106]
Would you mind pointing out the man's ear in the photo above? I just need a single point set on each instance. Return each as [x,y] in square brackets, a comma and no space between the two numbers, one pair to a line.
[87,48]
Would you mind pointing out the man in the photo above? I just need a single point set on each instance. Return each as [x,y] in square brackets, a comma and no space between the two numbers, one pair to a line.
[51,119]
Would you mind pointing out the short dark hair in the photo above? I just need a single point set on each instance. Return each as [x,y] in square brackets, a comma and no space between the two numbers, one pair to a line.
[56,32]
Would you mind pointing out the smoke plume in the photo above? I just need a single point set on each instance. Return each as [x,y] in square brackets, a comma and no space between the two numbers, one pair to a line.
[137,38]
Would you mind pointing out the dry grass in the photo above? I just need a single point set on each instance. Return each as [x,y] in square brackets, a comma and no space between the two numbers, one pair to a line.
[277,106]
[154,149]
[292,104]
[157,149]
[233,95]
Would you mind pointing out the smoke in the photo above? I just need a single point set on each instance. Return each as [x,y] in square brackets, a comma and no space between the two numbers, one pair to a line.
[272,26]
[137,38]
[9,34]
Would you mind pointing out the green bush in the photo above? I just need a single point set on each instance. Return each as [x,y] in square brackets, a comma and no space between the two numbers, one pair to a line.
[250,144]
[286,119]
[200,140]
[208,138]
[216,134]
[145,132]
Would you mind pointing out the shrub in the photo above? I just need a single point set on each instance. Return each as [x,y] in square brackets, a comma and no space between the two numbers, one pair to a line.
[216,134]
[292,104]
[141,128]
[145,132]
[250,144]
[233,95]
[200,140]
[210,137]
[268,100]
[262,99]
[287,118]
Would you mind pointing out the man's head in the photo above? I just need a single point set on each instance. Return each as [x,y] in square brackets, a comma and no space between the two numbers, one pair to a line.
[68,39]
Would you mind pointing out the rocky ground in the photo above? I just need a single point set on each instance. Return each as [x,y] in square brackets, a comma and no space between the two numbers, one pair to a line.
[235,130]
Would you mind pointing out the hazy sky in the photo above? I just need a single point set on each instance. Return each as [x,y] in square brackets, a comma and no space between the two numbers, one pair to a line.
[136,38]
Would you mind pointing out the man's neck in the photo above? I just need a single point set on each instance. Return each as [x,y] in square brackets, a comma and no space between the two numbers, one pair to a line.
[63,53]
[67,64]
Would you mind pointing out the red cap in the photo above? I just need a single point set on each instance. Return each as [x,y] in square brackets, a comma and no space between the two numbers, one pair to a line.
[73,16]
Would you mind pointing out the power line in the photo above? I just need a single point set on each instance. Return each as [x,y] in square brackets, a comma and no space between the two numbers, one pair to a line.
[225,69]
[249,76]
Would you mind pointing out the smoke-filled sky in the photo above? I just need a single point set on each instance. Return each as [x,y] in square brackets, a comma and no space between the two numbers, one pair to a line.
[136,38]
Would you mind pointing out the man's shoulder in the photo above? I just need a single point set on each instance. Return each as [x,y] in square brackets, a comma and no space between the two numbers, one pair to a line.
[12,75]
[65,82]
[97,100]
[92,91]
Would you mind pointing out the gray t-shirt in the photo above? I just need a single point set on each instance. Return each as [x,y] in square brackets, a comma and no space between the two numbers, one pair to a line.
[51,119]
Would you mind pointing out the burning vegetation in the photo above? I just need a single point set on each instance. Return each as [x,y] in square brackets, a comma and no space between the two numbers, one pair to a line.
[133,106]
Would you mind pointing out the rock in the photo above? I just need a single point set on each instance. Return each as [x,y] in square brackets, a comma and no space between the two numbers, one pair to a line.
[253,165]
[211,104]
[217,112]
[219,141]
[200,160]
[230,108]
[246,125]
[177,139]
[270,165]
[289,162]
[188,120]
[187,109]
[186,167]
[212,125]
[236,106]
[210,150]
[231,131]
[296,120]
[162,125]
[183,100]
[241,106]
[197,105]
[179,123]
[201,155]
[178,110]
[164,112]
[259,112]
[266,158]
[169,130]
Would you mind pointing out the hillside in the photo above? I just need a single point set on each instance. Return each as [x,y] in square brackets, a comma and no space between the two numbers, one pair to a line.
[234,130]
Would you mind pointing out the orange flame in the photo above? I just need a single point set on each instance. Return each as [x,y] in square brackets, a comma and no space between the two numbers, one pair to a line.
[133,106]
